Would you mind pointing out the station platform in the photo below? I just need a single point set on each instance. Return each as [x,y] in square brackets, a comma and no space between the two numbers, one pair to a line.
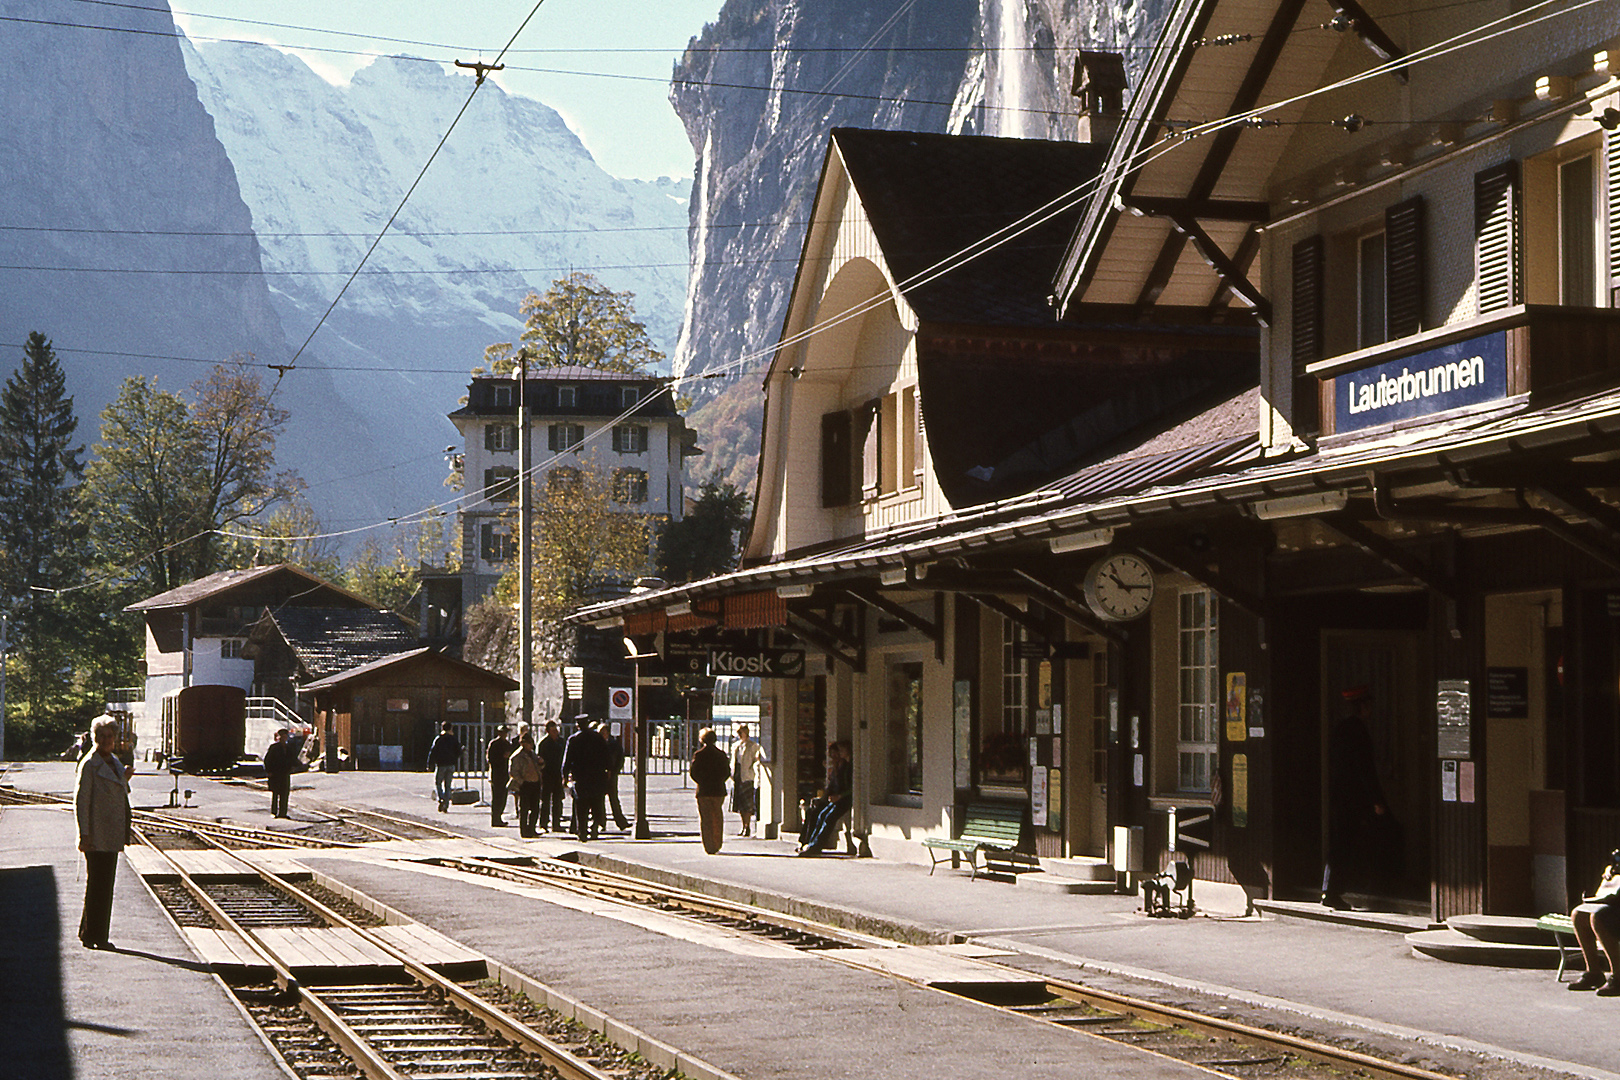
[1353,984]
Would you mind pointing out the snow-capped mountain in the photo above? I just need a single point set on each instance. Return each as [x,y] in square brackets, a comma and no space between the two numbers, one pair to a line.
[512,202]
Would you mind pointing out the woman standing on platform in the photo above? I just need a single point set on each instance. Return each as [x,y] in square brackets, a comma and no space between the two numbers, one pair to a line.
[745,756]
[710,769]
[523,771]
[101,804]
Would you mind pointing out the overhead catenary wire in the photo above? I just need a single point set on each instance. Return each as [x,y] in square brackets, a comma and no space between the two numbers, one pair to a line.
[1063,203]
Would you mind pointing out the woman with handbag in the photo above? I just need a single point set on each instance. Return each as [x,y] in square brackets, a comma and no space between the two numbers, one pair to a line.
[1597,925]
[745,757]
[523,777]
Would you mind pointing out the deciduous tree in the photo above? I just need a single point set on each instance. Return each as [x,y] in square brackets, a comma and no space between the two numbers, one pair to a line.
[579,321]
[705,541]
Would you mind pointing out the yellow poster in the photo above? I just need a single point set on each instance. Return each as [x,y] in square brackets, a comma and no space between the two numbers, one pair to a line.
[1237,706]
[1240,790]
[1054,798]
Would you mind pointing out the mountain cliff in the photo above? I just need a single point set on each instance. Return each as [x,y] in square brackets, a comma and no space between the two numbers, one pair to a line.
[989,67]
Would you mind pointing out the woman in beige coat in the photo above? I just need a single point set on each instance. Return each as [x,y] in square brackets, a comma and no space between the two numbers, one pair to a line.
[101,804]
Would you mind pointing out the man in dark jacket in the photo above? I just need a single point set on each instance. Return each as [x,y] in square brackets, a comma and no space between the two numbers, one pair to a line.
[442,758]
[497,754]
[615,769]
[550,752]
[584,765]
[710,769]
[279,761]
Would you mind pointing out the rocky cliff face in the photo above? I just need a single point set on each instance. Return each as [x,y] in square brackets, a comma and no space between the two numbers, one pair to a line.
[986,67]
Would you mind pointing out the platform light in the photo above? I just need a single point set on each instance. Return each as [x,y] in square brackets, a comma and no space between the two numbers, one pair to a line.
[1081,541]
[896,576]
[1317,502]
[609,624]
[679,609]
[794,592]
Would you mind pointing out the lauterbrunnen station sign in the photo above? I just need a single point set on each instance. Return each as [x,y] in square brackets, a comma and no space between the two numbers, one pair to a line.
[1437,380]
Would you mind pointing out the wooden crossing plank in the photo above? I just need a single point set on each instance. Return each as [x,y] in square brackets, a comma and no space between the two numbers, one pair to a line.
[209,863]
[929,966]
[323,947]
[282,863]
[147,862]
[427,945]
[222,948]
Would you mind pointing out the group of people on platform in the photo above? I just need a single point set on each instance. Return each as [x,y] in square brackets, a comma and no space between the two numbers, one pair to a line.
[587,765]
[711,768]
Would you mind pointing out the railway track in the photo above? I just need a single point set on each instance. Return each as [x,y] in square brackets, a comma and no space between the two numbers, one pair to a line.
[417,1024]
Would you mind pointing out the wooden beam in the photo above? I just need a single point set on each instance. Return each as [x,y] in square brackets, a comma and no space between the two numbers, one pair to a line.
[1072,607]
[1231,277]
[855,661]
[1011,611]
[1359,535]
[1243,210]
[931,630]
[1214,582]
[1242,259]
[1371,34]
[1583,504]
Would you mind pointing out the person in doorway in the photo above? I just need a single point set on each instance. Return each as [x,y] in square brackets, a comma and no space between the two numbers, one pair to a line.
[1355,800]
[1596,921]
[824,814]
[550,752]
[442,757]
[498,755]
[584,765]
[710,769]
[746,757]
[524,775]
[279,760]
[101,805]
[615,769]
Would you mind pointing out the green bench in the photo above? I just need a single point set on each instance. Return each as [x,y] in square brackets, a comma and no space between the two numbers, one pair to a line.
[994,829]
[1561,928]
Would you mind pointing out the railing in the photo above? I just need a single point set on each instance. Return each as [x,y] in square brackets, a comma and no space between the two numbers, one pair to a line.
[125,698]
[269,710]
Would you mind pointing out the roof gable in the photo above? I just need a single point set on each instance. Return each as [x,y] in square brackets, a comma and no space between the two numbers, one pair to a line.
[329,640]
[267,585]
[382,667]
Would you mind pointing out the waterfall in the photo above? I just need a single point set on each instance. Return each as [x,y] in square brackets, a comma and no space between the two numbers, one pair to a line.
[1011,39]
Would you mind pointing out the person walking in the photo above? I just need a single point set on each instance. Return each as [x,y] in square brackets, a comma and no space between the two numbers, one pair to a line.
[550,752]
[584,765]
[746,757]
[101,805]
[524,771]
[442,757]
[497,755]
[709,770]
[615,769]
[279,761]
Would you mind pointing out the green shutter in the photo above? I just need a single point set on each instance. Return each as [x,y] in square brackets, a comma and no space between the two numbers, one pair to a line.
[1497,250]
[1404,276]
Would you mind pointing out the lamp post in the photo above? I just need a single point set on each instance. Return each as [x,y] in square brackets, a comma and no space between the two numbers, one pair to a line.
[639,717]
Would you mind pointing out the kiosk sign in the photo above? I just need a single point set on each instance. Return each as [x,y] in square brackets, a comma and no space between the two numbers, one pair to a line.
[1437,380]
[765,663]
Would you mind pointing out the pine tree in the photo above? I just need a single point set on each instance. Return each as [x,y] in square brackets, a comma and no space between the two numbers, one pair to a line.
[42,535]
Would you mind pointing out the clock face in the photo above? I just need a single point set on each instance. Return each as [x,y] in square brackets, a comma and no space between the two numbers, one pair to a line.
[1119,587]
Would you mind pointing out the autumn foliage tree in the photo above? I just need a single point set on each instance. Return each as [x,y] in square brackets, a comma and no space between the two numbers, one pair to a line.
[580,322]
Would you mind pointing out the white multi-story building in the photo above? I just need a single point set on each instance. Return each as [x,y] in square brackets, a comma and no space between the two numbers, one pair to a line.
[626,426]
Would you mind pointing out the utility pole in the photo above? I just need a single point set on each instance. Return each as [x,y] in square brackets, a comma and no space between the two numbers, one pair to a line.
[525,544]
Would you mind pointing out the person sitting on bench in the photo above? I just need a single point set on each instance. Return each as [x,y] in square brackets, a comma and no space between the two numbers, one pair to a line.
[823,815]
[1596,921]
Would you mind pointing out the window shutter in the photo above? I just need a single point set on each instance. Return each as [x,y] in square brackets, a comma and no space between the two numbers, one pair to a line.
[618,438]
[1405,277]
[1309,341]
[835,463]
[490,436]
[553,437]
[868,415]
[1496,238]
[1611,153]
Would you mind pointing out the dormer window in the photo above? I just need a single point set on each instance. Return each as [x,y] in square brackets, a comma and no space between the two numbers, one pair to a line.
[629,396]
[567,397]
[503,397]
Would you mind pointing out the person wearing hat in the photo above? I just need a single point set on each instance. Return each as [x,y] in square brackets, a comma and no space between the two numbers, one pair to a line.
[1355,801]
[584,764]
[498,755]
[550,752]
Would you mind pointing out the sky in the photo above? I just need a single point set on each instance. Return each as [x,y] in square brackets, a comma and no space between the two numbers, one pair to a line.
[621,52]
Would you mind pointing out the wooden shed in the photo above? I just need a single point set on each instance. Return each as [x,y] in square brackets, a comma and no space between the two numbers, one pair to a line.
[385,712]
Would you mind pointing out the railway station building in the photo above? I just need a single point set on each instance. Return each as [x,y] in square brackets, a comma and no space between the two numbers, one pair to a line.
[1415,506]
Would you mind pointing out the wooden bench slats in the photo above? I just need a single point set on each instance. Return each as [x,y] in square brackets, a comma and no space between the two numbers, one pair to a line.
[992,828]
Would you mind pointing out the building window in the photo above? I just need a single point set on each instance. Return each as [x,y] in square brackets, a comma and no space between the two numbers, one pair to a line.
[889,444]
[1370,292]
[870,430]
[629,438]
[500,437]
[564,437]
[562,480]
[567,397]
[495,543]
[503,396]
[835,458]
[905,732]
[629,486]
[500,483]
[629,396]
[1004,751]
[911,434]
[1200,693]
[1577,232]
[231,648]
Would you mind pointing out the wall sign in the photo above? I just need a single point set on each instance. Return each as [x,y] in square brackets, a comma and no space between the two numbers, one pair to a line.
[1037,795]
[1453,712]
[765,663]
[1507,693]
[1436,380]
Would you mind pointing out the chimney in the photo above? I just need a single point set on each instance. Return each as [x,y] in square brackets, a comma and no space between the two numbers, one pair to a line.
[1099,84]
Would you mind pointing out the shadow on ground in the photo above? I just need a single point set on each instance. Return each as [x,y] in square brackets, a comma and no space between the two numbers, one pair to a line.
[33,1026]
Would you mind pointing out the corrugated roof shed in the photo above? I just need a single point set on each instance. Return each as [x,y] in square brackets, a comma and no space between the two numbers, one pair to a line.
[330,640]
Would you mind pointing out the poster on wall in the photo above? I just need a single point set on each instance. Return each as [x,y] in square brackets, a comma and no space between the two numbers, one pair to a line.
[1057,718]
[1454,717]
[1054,798]
[1037,795]
[962,712]
[1237,706]
[1448,781]
[1240,790]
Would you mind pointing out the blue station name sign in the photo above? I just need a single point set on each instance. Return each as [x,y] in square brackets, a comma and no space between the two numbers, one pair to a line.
[1463,373]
